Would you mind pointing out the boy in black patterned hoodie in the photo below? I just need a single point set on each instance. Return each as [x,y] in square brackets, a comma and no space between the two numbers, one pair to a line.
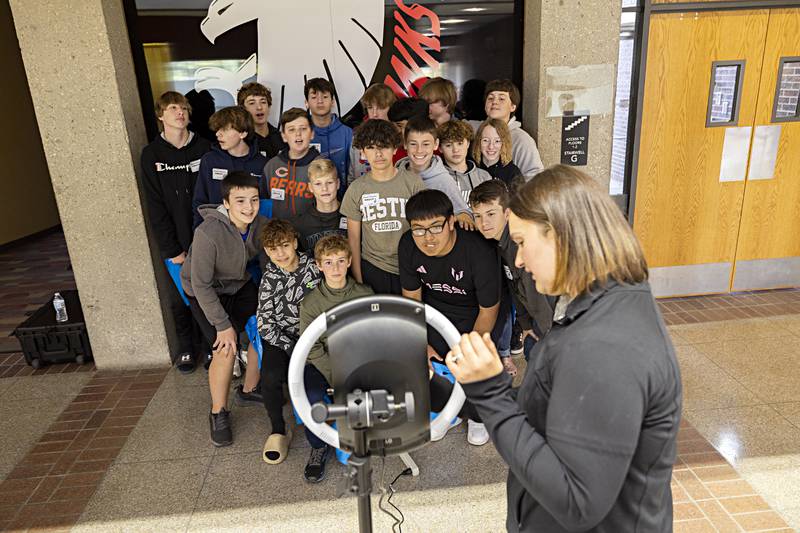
[288,277]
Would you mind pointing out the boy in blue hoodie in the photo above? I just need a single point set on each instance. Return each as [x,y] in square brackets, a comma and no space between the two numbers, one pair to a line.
[233,125]
[332,138]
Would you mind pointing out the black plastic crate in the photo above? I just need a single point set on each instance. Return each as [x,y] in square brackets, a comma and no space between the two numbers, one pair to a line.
[43,340]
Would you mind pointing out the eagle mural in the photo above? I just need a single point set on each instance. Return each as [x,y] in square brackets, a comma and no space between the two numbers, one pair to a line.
[297,40]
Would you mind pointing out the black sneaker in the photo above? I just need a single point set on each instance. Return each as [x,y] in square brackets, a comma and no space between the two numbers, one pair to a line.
[221,434]
[185,363]
[246,399]
[516,338]
[315,468]
[207,362]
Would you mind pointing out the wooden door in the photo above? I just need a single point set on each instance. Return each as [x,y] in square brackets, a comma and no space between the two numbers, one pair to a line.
[768,251]
[686,216]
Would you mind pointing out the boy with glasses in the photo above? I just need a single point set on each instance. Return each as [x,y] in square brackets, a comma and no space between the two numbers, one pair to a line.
[455,271]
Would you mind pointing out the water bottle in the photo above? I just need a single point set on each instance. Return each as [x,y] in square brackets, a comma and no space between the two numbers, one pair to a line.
[61,308]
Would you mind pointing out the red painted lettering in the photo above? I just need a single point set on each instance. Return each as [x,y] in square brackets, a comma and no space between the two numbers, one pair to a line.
[407,72]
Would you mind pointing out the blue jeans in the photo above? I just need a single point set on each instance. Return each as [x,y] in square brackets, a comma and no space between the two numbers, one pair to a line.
[317,390]
[504,341]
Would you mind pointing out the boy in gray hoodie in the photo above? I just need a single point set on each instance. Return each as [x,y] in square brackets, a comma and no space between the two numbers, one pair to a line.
[454,139]
[501,100]
[221,293]
[421,141]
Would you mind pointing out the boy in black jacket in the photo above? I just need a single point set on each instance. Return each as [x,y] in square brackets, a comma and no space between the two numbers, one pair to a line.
[170,164]
[323,218]
[489,202]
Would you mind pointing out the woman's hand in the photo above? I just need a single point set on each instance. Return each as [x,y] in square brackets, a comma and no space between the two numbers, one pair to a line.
[474,359]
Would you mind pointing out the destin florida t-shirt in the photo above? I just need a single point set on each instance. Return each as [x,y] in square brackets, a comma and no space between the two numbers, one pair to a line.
[380,206]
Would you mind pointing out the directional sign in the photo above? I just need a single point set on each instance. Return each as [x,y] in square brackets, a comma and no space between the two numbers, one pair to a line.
[575,140]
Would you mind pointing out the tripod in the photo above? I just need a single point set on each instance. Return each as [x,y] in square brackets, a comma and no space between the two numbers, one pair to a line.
[363,411]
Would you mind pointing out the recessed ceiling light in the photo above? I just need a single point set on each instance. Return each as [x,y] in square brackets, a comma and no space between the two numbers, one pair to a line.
[453,21]
[474,9]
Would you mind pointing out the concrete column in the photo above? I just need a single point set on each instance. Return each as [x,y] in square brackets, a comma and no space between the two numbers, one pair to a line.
[78,62]
[569,33]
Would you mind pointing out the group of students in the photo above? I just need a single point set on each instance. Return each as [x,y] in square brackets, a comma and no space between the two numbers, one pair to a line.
[286,223]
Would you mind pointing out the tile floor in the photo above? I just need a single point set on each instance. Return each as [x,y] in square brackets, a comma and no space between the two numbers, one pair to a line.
[88,451]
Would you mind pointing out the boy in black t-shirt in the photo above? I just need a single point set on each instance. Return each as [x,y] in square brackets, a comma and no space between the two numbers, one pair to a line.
[257,100]
[453,270]
[323,218]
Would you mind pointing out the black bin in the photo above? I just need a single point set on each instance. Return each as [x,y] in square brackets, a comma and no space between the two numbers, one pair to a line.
[43,340]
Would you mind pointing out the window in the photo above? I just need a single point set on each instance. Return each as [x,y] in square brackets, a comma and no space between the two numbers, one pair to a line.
[622,100]
[787,91]
[723,98]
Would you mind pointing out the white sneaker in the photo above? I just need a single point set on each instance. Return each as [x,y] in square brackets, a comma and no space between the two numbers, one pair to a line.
[456,421]
[476,433]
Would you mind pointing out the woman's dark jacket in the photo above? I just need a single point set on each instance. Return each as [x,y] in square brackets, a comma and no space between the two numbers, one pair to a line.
[590,439]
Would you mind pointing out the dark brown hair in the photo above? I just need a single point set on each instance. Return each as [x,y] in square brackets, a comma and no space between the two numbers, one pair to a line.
[235,117]
[378,133]
[505,86]
[319,85]
[276,232]
[420,125]
[253,89]
[167,99]
[293,114]
[455,130]
[489,191]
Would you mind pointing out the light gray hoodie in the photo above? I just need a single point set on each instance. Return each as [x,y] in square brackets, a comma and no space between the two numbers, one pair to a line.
[437,177]
[217,261]
[523,150]
[468,180]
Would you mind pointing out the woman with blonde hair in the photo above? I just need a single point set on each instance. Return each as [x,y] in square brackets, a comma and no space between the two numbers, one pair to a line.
[590,436]
[491,150]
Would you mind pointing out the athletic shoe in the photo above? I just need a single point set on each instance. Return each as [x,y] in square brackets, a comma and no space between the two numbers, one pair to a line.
[247,399]
[221,433]
[456,421]
[207,361]
[237,370]
[517,344]
[185,363]
[315,467]
[476,433]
